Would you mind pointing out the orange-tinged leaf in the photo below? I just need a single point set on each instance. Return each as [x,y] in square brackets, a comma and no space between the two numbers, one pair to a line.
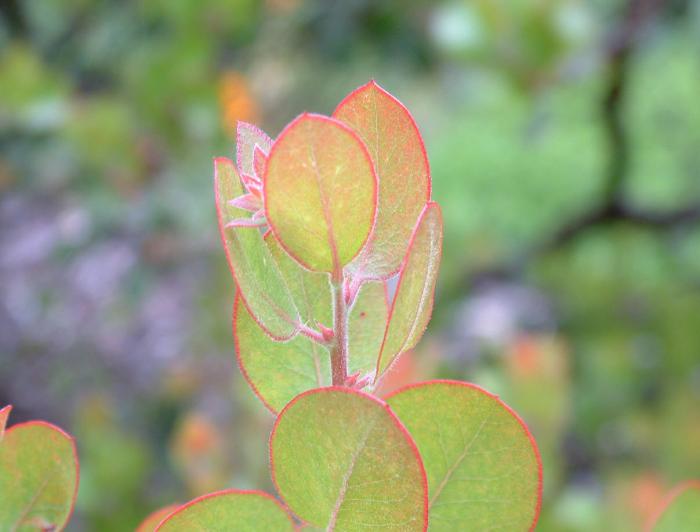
[38,477]
[679,511]
[320,192]
[483,466]
[341,460]
[413,303]
[257,277]
[401,163]
[154,519]
[240,510]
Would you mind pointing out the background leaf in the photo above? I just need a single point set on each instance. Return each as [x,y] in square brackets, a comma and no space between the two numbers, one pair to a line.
[277,372]
[4,414]
[341,460]
[257,278]
[397,149]
[247,511]
[413,303]
[38,477]
[320,192]
[680,510]
[483,465]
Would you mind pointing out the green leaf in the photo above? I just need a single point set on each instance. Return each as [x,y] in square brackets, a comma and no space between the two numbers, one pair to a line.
[320,192]
[277,372]
[397,149]
[483,466]
[258,280]
[413,303]
[311,291]
[341,460]
[150,524]
[680,510]
[244,511]
[366,325]
[38,476]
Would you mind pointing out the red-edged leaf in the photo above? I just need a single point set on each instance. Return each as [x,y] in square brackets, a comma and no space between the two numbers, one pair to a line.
[277,371]
[397,149]
[320,192]
[239,510]
[38,477]
[679,511]
[413,303]
[248,137]
[258,280]
[150,524]
[483,466]
[343,461]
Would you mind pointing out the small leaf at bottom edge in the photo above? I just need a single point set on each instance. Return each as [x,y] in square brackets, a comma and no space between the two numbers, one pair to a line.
[680,510]
[243,511]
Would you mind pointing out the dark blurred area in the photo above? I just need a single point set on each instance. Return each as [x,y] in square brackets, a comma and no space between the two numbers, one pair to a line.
[564,141]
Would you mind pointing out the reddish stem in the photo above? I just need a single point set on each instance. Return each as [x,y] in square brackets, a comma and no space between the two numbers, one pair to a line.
[339,349]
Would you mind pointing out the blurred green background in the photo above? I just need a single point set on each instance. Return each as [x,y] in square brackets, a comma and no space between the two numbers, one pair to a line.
[564,141]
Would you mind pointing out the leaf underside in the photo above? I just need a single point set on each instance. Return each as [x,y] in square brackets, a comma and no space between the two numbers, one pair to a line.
[38,477]
[244,511]
[413,302]
[257,277]
[320,192]
[682,511]
[366,325]
[276,371]
[482,464]
[342,461]
[397,149]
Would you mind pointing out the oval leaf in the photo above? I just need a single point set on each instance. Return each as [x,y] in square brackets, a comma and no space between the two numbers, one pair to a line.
[401,163]
[342,461]
[244,511]
[154,519]
[680,510]
[320,192]
[277,372]
[483,466]
[413,303]
[38,477]
[366,324]
[258,280]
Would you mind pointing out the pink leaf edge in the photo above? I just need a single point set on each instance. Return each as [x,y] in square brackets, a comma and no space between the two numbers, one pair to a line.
[230,491]
[397,422]
[526,430]
[375,195]
[668,499]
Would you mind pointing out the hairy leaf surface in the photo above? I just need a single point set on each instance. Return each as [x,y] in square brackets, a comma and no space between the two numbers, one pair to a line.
[244,511]
[483,466]
[366,326]
[257,277]
[247,137]
[397,149]
[277,372]
[38,477]
[341,460]
[413,303]
[681,509]
[320,192]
